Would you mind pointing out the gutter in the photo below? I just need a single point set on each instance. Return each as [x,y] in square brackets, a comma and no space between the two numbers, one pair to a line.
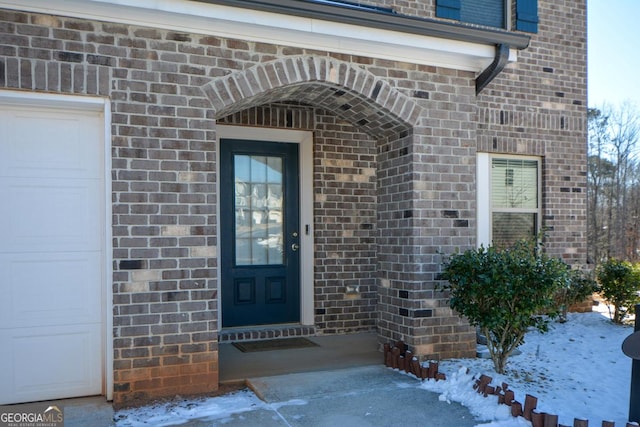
[495,68]
[387,19]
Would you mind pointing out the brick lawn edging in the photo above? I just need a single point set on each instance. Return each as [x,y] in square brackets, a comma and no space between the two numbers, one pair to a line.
[398,356]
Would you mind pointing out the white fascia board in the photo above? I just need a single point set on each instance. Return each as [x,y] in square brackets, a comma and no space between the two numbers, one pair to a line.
[70,102]
[267,27]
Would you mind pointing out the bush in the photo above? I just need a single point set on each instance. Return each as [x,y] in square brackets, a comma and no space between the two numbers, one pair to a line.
[503,292]
[578,287]
[619,286]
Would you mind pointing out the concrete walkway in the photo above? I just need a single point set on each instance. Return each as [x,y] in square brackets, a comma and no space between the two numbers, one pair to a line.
[343,382]
[365,396]
[353,397]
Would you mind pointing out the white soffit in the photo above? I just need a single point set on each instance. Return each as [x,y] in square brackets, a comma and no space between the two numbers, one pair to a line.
[266,27]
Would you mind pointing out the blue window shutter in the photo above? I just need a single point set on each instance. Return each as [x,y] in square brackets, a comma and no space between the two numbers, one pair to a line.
[449,9]
[527,15]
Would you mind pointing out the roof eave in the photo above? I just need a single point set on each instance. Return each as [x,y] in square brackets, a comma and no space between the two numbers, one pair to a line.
[383,20]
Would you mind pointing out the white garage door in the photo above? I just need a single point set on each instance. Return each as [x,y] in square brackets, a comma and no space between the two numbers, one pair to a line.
[51,253]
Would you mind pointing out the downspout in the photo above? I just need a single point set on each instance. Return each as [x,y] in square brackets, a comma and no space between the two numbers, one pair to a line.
[495,68]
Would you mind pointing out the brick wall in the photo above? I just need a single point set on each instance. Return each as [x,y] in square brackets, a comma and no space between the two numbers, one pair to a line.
[538,107]
[345,211]
[394,172]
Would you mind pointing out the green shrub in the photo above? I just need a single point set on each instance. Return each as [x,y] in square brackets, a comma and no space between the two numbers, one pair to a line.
[579,286]
[619,286]
[503,292]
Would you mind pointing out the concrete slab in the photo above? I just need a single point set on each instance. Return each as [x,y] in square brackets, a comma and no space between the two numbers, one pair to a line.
[345,383]
[369,396]
[309,385]
[88,411]
[408,406]
[333,352]
[258,417]
[363,396]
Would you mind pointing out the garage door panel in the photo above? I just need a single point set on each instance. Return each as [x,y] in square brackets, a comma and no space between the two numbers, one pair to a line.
[67,370]
[56,146]
[50,289]
[52,250]
[50,215]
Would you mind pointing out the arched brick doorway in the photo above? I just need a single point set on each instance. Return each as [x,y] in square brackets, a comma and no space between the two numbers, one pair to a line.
[356,119]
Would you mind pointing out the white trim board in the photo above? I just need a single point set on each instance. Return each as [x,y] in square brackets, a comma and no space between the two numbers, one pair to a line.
[305,141]
[267,27]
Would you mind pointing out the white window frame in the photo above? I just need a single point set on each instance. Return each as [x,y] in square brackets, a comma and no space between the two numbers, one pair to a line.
[484,196]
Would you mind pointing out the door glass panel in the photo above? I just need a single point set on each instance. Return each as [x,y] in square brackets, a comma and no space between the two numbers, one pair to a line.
[258,204]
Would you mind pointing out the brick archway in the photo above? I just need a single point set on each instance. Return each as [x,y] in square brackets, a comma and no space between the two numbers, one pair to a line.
[351,92]
[395,124]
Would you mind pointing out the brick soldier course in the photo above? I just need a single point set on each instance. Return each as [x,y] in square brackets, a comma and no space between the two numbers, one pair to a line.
[394,177]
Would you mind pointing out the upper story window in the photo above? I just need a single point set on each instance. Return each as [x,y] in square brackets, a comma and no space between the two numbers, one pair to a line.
[491,13]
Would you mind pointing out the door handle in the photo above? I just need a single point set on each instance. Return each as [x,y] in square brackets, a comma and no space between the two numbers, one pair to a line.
[295,247]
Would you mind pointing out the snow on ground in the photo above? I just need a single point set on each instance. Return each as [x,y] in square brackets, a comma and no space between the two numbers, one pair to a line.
[179,412]
[576,370]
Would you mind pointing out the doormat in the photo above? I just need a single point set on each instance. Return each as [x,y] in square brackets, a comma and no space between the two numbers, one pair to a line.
[269,345]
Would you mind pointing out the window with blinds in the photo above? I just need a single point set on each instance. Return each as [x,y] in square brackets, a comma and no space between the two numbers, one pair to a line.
[483,12]
[492,13]
[514,199]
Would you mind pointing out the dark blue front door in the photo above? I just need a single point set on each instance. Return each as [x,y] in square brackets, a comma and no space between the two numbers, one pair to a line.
[259,217]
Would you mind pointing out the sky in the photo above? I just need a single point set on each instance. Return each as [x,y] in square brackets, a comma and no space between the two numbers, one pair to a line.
[576,370]
[613,52]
